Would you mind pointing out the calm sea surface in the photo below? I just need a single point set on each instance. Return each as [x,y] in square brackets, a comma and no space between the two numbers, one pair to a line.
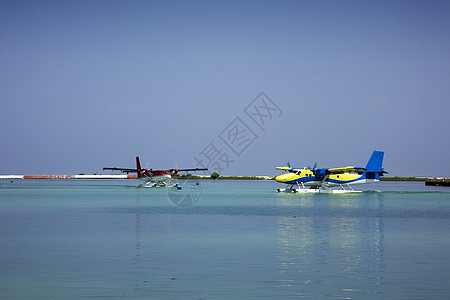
[76,239]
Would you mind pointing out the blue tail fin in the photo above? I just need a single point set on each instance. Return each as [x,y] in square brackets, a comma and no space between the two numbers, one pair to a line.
[375,162]
[374,165]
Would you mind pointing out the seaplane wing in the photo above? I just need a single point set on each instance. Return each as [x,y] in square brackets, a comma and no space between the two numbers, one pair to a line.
[283,168]
[348,169]
[123,170]
[187,170]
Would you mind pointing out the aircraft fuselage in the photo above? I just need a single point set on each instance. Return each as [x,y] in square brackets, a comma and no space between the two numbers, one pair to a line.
[307,178]
[154,175]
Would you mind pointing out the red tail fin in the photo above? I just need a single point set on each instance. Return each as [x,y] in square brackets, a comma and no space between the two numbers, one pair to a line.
[138,163]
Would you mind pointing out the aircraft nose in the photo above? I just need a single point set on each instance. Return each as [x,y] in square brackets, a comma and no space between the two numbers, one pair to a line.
[281,178]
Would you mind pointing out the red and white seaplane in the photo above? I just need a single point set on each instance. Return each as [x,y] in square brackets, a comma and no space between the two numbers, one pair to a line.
[153,178]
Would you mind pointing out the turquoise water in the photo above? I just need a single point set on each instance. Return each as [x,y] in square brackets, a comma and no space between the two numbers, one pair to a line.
[76,239]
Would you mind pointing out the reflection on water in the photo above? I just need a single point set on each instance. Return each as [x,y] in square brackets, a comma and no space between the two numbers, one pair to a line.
[341,255]
[239,241]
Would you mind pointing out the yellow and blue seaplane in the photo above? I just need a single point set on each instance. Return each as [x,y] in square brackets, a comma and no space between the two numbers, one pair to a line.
[320,180]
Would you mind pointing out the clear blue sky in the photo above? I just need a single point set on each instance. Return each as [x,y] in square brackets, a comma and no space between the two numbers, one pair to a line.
[89,84]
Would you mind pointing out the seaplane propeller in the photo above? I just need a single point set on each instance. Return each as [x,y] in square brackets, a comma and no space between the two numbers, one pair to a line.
[313,168]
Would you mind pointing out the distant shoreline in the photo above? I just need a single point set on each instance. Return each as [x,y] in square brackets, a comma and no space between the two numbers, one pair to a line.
[397,178]
[430,181]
